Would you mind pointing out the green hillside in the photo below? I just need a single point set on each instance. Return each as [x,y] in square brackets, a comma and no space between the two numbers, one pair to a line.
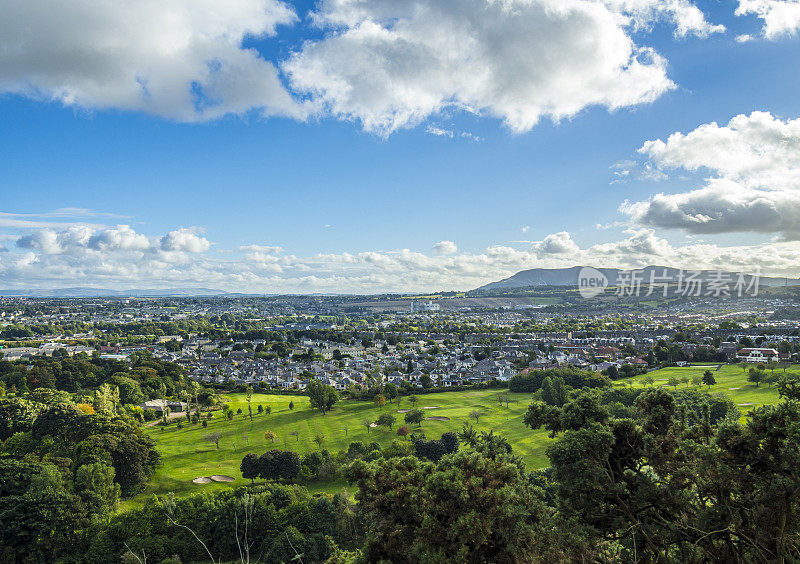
[187,455]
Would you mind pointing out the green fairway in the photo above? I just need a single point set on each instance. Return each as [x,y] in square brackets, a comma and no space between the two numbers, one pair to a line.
[731,381]
[187,455]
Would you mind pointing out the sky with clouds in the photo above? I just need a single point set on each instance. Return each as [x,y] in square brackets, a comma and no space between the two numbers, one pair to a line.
[393,145]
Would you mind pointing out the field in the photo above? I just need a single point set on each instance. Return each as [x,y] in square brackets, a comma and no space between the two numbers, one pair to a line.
[731,381]
[186,454]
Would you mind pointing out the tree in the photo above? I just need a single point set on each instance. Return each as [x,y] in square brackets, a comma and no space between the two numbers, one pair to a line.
[508,522]
[367,423]
[319,440]
[685,380]
[390,392]
[413,399]
[260,409]
[278,465]
[249,467]
[467,435]
[97,488]
[213,438]
[414,416]
[674,382]
[296,435]
[379,400]
[270,436]
[708,378]
[249,399]
[554,391]
[476,415]
[229,415]
[267,410]
[291,405]
[321,396]
[386,420]
[403,431]
[696,380]
[756,376]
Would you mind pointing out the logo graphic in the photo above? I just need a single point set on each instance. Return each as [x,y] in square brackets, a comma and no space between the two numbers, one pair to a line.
[591,282]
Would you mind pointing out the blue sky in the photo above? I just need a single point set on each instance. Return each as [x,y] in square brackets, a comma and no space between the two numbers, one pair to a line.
[357,182]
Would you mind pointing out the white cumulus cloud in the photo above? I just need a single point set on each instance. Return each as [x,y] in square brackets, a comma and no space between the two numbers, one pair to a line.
[445,248]
[754,183]
[182,59]
[780,17]
[393,63]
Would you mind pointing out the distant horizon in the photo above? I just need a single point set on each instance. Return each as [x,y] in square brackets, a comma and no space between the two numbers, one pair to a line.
[200,291]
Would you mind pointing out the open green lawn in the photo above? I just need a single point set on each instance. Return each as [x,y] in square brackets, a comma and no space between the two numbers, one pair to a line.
[187,455]
[731,381]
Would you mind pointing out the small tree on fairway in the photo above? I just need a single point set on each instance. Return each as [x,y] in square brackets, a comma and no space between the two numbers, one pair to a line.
[685,380]
[270,436]
[230,415]
[213,438]
[367,423]
[403,431]
[386,420]
[755,376]
[390,391]
[414,416]
[345,431]
[320,440]
[648,381]
[708,378]
[475,414]
[268,410]
[674,382]
[696,380]
[413,399]
[291,405]
[321,396]
[379,400]
[296,435]
[260,409]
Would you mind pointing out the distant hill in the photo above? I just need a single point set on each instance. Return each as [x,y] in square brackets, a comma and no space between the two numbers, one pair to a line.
[569,277]
[81,292]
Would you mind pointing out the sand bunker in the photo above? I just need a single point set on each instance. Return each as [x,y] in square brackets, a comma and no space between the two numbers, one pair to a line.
[201,480]
[744,404]
[403,410]
[437,418]
[733,388]
[431,407]
[373,425]
[222,478]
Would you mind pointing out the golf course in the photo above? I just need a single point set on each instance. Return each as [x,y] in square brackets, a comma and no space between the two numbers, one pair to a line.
[188,453]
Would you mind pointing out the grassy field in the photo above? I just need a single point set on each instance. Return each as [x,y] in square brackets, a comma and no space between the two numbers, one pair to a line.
[187,455]
[731,381]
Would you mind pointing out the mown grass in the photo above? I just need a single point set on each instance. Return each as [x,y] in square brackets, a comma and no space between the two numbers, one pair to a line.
[731,381]
[186,454]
